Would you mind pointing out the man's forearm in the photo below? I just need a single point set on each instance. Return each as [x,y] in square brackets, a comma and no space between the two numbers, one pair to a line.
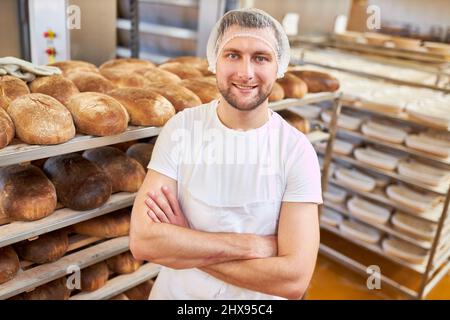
[277,276]
[183,248]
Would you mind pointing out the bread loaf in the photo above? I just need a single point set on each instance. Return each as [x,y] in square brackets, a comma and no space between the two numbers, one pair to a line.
[317,81]
[183,70]
[141,152]
[203,88]
[10,89]
[293,86]
[140,292]
[145,107]
[9,264]
[367,211]
[87,81]
[295,120]
[55,290]
[198,63]
[158,76]
[130,64]
[71,65]
[55,86]
[26,194]
[97,114]
[123,263]
[360,231]
[7,129]
[277,92]
[48,247]
[111,225]
[123,78]
[331,217]
[94,277]
[41,119]
[180,97]
[125,173]
[80,184]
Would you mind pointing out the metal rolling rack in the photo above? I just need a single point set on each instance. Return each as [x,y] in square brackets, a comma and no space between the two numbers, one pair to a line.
[100,249]
[187,39]
[438,259]
[437,64]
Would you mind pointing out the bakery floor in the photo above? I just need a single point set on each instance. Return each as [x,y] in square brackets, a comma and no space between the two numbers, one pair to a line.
[333,281]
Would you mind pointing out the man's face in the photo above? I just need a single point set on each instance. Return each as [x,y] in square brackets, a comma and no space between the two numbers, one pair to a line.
[246,70]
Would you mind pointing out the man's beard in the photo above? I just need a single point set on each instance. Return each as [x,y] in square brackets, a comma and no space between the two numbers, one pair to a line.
[252,104]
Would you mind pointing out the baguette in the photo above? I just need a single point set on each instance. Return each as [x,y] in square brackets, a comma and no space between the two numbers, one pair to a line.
[404,250]
[383,132]
[331,217]
[423,173]
[355,179]
[360,231]
[377,158]
[368,212]
[413,200]
[414,226]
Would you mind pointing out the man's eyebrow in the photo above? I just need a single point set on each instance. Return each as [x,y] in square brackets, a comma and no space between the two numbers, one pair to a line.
[261,52]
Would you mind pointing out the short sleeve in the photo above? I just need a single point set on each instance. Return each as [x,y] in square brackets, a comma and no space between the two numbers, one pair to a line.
[302,172]
[166,153]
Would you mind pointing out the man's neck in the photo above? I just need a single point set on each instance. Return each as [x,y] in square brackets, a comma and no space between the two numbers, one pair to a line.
[242,120]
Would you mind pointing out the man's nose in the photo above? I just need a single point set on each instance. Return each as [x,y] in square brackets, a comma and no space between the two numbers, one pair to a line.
[246,71]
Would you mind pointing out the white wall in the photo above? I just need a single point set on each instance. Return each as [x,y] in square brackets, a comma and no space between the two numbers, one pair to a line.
[9,29]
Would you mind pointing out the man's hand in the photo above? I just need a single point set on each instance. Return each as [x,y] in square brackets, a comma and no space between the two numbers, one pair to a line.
[165,208]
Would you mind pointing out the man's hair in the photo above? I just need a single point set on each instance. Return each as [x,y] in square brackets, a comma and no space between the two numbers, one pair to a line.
[248,19]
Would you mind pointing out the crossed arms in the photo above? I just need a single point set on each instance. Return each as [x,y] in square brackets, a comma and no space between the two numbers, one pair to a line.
[279,265]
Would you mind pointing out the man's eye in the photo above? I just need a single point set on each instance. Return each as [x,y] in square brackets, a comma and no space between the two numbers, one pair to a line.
[232,56]
[261,59]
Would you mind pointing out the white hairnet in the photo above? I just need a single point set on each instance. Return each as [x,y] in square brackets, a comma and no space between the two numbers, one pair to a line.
[249,19]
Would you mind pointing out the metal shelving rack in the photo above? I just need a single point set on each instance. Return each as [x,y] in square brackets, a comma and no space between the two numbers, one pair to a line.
[208,12]
[13,232]
[438,259]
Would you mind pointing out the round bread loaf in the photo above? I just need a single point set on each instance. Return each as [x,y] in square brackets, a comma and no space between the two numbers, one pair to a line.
[295,120]
[293,86]
[9,264]
[317,81]
[130,64]
[94,277]
[7,129]
[74,64]
[55,86]
[200,64]
[123,78]
[87,81]
[48,247]
[97,114]
[125,173]
[141,152]
[41,119]
[10,89]
[184,71]
[55,290]
[159,76]
[180,97]
[121,296]
[145,107]
[277,92]
[204,88]
[80,184]
[26,194]
[140,292]
[111,225]
[123,263]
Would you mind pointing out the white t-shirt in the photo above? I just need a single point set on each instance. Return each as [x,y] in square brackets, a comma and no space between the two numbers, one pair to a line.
[230,181]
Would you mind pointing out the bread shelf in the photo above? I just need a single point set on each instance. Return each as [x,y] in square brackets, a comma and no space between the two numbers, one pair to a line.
[385,228]
[374,248]
[21,152]
[391,145]
[19,230]
[379,196]
[184,3]
[45,273]
[441,190]
[120,283]
[358,104]
[161,30]
[310,98]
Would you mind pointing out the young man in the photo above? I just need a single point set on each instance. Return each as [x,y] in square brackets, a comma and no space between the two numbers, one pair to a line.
[229,206]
